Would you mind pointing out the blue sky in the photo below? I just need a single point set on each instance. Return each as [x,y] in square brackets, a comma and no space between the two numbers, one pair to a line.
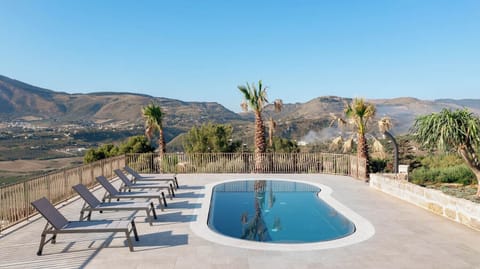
[202,50]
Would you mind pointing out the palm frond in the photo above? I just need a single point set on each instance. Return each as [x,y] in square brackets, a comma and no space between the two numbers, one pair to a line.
[348,145]
[335,144]
[278,104]
[385,124]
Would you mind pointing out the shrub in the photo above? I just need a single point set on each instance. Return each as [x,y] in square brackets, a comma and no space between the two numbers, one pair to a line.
[457,174]
[452,174]
[442,160]
[134,144]
[377,165]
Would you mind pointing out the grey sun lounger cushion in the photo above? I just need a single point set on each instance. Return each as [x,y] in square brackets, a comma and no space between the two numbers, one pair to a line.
[129,185]
[156,177]
[93,204]
[58,224]
[112,193]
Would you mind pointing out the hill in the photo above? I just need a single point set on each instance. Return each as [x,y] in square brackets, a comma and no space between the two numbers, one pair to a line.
[21,101]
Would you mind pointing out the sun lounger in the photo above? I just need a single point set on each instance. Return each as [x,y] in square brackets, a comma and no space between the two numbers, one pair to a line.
[111,192]
[129,185]
[58,224]
[152,177]
[93,204]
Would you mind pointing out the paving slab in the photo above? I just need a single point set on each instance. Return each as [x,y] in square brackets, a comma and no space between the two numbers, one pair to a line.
[405,236]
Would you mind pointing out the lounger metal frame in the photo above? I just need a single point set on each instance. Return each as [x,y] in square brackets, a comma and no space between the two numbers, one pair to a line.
[58,224]
[91,203]
[156,177]
[112,192]
[128,185]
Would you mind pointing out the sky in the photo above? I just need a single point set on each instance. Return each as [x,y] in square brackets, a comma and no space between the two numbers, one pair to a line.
[202,50]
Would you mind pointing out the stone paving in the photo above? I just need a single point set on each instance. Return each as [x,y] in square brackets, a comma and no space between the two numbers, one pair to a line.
[405,237]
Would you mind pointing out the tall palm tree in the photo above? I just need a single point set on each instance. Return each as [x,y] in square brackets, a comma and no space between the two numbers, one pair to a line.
[271,127]
[384,125]
[360,113]
[278,105]
[459,130]
[256,100]
[153,116]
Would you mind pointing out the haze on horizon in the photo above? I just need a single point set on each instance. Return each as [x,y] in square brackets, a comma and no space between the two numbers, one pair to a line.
[202,50]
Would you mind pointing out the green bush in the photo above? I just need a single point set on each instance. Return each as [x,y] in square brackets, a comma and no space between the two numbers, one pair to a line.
[134,144]
[452,174]
[423,175]
[378,165]
[441,161]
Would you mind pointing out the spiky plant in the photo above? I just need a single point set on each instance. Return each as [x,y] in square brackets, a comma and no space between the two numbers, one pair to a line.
[447,129]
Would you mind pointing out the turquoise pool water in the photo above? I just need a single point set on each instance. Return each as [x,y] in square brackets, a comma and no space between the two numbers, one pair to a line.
[275,211]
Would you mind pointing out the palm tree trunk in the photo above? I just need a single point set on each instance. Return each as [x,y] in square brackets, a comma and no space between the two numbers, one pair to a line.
[465,155]
[270,136]
[161,142]
[362,152]
[259,142]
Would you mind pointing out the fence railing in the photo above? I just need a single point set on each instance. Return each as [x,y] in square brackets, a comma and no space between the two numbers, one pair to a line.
[326,163]
[15,199]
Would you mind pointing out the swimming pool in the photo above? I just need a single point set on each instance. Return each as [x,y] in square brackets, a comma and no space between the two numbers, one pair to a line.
[363,228]
[275,211]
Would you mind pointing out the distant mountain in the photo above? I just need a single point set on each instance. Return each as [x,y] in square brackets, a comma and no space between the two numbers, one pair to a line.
[404,110]
[301,121]
[19,100]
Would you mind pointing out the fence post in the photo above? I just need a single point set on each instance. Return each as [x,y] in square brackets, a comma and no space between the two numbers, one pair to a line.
[65,181]
[26,200]
[92,173]
[80,175]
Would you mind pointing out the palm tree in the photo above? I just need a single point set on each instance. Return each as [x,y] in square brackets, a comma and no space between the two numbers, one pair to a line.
[153,116]
[256,99]
[256,228]
[459,130]
[271,127]
[360,113]
[384,125]
[278,105]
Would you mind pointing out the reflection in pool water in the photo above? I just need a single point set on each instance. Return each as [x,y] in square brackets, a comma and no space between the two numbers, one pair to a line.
[275,211]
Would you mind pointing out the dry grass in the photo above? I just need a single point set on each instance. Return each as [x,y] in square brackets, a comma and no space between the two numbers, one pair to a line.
[12,171]
[457,190]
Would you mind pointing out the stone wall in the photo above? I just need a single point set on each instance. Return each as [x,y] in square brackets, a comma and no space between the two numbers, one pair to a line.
[456,209]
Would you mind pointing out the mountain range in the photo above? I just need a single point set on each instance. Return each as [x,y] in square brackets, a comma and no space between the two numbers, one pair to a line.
[25,102]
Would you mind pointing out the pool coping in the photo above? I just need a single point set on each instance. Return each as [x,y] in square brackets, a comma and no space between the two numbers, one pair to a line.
[363,228]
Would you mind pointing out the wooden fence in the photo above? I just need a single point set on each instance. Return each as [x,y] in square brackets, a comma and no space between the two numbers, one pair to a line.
[15,199]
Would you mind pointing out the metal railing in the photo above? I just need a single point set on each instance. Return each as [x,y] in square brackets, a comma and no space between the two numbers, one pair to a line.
[275,163]
[15,199]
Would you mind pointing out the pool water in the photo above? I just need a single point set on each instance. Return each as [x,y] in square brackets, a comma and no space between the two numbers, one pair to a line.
[275,211]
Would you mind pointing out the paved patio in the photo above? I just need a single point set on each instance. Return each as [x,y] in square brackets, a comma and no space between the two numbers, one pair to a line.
[405,237]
